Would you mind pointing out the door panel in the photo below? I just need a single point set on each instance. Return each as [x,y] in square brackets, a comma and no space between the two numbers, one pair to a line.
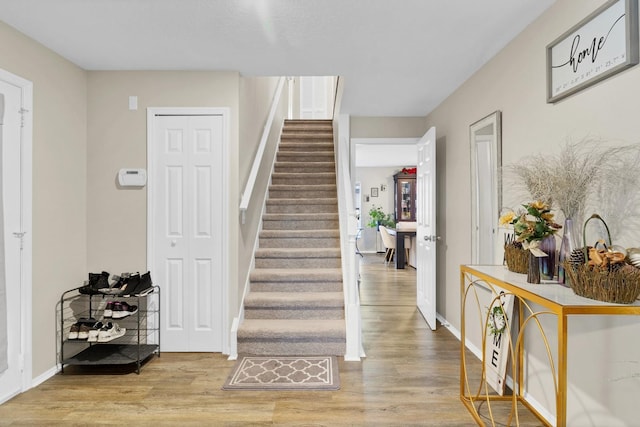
[11,262]
[186,209]
[426,227]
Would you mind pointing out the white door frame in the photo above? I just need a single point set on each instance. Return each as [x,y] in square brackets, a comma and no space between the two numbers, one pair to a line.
[26,135]
[152,190]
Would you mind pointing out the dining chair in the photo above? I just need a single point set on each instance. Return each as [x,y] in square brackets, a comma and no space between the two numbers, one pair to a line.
[389,243]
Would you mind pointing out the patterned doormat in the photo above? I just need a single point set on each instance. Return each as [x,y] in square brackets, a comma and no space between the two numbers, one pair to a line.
[284,373]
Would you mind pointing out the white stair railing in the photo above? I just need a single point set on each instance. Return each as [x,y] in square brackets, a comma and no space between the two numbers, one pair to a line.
[255,168]
[350,264]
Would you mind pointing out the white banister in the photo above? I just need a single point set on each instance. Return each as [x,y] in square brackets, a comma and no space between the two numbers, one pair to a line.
[348,232]
[251,182]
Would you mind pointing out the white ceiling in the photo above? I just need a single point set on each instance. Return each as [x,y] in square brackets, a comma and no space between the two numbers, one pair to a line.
[398,58]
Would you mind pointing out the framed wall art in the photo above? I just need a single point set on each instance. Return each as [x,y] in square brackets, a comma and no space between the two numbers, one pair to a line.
[602,44]
[374,191]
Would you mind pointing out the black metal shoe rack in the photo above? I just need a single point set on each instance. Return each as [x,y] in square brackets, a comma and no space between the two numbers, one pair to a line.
[140,342]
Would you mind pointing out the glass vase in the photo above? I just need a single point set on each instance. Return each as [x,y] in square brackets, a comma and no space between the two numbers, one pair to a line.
[568,244]
[533,272]
[548,263]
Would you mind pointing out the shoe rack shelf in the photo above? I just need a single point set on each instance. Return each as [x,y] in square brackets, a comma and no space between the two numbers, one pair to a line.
[140,341]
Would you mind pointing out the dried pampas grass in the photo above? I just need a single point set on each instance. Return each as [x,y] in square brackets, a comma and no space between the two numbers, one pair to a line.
[563,180]
[617,193]
[587,174]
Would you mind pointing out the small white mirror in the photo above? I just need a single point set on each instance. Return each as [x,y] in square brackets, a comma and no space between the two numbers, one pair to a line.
[485,138]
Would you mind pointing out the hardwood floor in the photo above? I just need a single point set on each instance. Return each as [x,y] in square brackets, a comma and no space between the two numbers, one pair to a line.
[409,377]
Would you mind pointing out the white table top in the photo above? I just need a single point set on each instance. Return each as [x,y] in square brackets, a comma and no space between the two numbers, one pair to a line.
[551,291]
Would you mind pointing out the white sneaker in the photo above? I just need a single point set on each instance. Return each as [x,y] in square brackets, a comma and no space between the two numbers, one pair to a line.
[110,332]
[94,332]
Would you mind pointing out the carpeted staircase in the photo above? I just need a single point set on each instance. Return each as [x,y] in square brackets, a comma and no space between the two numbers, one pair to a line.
[296,303]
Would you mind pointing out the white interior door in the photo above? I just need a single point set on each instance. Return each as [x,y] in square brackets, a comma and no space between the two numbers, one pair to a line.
[186,214]
[314,97]
[426,227]
[12,326]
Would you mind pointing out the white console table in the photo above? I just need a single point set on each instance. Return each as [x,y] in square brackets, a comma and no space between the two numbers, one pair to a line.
[556,299]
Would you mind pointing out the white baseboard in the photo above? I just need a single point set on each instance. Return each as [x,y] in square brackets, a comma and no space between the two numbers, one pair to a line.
[34,383]
[44,376]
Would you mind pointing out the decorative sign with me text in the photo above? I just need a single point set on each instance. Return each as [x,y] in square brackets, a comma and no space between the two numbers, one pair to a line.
[498,342]
[604,43]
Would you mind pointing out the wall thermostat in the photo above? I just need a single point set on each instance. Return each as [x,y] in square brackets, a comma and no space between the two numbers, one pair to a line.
[132,177]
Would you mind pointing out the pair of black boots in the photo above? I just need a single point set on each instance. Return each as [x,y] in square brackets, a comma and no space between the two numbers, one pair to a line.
[126,284]
[131,284]
[96,282]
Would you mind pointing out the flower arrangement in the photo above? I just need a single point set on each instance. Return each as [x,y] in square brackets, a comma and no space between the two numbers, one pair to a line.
[531,225]
[410,171]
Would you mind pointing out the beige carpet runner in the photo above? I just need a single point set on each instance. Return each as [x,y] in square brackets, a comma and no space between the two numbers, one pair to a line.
[284,373]
[296,304]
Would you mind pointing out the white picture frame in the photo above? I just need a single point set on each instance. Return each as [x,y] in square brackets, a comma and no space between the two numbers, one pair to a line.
[601,45]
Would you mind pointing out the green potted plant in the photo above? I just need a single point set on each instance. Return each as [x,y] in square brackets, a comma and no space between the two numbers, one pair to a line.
[378,217]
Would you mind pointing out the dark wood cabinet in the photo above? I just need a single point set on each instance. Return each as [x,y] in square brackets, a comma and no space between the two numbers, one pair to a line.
[405,196]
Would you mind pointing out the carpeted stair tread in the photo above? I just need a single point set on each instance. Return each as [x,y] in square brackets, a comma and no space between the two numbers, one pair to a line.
[301,191]
[310,201]
[298,253]
[284,178]
[310,145]
[299,300]
[301,205]
[300,216]
[299,239]
[305,187]
[299,234]
[306,136]
[304,177]
[293,122]
[301,329]
[317,155]
[296,275]
[303,257]
[305,167]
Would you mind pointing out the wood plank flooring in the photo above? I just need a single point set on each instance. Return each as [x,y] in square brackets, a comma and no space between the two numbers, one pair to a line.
[409,377]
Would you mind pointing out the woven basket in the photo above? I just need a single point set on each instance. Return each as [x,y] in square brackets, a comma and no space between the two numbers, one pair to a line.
[517,258]
[620,286]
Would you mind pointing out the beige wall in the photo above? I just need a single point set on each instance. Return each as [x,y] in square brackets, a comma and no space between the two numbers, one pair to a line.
[387,127]
[59,180]
[256,96]
[514,82]
[117,138]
